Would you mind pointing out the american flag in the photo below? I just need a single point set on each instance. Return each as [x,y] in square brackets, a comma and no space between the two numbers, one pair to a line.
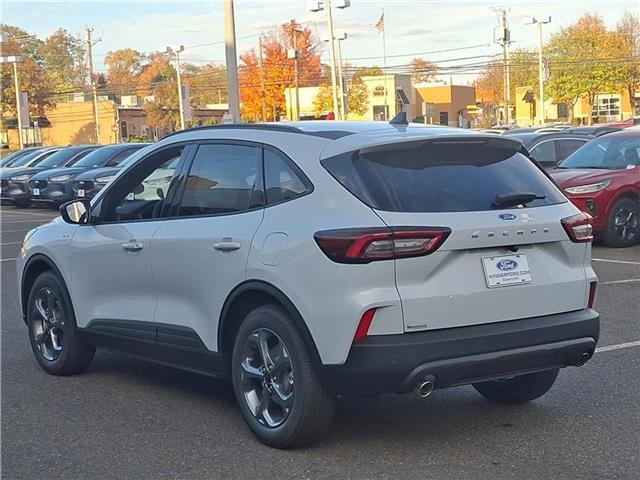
[380,24]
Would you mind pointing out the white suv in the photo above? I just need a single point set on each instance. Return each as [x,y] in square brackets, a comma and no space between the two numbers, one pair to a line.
[321,258]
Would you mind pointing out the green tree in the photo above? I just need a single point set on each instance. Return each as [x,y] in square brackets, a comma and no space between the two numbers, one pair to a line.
[628,30]
[367,71]
[64,63]
[357,97]
[323,101]
[583,61]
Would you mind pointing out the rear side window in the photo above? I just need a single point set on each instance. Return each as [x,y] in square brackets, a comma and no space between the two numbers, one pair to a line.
[545,153]
[282,180]
[222,180]
[567,146]
[440,177]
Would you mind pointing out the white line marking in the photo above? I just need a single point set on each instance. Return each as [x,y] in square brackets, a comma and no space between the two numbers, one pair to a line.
[619,346]
[628,262]
[3,212]
[11,243]
[616,282]
[16,231]
[35,220]
[8,260]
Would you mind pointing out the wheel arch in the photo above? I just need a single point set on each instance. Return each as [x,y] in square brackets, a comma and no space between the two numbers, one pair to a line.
[246,297]
[626,193]
[36,265]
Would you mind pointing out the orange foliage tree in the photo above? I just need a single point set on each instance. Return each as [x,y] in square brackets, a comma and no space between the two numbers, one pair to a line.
[277,71]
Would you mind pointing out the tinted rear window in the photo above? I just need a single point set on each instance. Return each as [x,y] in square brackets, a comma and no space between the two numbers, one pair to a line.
[439,177]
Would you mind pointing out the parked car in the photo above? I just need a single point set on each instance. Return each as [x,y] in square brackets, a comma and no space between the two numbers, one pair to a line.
[31,159]
[594,130]
[54,187]
[629,122]
[89,183]
[13,156]
[603,179]
[316,259]
[550,148]
[18,185]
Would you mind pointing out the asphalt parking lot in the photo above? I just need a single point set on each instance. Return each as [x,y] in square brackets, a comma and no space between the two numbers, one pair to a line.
[128,419]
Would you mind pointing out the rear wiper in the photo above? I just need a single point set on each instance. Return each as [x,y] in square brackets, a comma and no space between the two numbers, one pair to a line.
[515,198]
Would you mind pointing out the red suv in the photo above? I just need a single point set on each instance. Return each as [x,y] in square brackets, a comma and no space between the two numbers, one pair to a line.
[602,178]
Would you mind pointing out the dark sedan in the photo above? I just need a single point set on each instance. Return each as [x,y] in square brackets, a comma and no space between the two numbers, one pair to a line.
[88,184]
[550,148]
[17,188]
[54,187]
[7,160]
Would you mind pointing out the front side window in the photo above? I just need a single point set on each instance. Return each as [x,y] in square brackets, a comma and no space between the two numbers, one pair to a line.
[141,192]
[222,180]
[282,183]
[117,159]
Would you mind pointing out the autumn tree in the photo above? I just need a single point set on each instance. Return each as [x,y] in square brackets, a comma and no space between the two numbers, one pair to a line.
[123,68]
[584,60]
[158,80]
[367,71]
[33,78]
[64,62]
[207,83]
[628,31]
[357,97]
[277,70]
[422,70]
[323,100]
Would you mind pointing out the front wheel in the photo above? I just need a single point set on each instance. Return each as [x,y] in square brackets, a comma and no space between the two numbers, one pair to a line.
[276,383]
[520,389]
[52,328]
[623,227]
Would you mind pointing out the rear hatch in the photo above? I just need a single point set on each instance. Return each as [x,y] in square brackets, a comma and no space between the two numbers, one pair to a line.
[506,255]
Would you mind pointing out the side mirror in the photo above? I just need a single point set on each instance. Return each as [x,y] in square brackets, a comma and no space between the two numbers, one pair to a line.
[76,212]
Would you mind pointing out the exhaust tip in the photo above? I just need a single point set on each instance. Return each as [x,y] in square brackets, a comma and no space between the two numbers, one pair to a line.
[584,359]
[425,388]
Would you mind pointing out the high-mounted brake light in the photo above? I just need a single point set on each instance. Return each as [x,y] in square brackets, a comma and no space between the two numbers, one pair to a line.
[579,227]
[364,245]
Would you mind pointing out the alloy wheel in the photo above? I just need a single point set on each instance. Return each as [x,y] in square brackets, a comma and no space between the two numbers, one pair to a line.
[266,376]
[626,223]
[47,324]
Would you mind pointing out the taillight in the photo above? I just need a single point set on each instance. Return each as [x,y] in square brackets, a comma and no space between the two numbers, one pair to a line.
[363,326]
[364,245]
[592,294]
[579,227]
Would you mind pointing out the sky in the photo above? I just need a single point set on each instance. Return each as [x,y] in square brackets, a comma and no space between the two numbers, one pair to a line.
[432,29]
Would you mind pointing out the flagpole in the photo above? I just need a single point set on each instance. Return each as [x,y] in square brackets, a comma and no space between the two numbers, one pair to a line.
[384,65]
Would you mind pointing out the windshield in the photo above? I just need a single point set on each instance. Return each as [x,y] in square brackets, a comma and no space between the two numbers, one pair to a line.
[610,153]
[97,157]
[12,157]
[60,158]
[22,161]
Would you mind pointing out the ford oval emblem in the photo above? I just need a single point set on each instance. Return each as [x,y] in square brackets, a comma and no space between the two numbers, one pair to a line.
[506,265]
[508,216]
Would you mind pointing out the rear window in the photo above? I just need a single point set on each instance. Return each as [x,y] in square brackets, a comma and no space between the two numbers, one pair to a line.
[440,177]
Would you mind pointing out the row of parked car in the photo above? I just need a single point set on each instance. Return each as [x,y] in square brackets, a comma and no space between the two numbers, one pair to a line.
[597,167]
[50,176]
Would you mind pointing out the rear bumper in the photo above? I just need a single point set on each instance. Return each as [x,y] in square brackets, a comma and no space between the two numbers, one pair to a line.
[458,356]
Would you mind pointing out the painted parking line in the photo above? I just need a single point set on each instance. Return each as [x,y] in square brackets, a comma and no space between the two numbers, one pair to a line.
[10,243]
[23,230]
[8,260]
[619,346]
[2,213]
[617,282]
[35,220]
[627,262]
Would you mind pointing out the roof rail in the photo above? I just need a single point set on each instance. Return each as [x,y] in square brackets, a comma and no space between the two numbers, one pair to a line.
[248,126]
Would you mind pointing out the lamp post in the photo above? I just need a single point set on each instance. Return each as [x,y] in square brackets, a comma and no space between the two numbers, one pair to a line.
[540,21]
[341,81]
[317,6]
[16,82]
[180,105]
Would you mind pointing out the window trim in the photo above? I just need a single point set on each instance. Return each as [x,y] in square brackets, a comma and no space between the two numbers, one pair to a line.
[294,167]
[96,219]
[555,146]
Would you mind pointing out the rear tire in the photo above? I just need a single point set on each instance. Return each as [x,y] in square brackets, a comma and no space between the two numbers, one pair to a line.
[520,389]
[623,226]
[52,328]
[281,398]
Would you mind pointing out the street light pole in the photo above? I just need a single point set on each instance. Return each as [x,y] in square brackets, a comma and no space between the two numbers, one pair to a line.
[332,58]
[343,95]
[180,99]
[18,106]
[231,60]
[539,22]
[96,115]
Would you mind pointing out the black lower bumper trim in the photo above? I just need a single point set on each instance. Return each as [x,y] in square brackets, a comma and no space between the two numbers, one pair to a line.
[463,355]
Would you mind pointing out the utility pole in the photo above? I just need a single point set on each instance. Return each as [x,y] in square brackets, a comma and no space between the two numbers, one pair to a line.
[332,58]
[169,51]
[539,22]
[96,116]
[343,94]
[262,92]
[231,60]
[295,54]
[18,106]
[505,41]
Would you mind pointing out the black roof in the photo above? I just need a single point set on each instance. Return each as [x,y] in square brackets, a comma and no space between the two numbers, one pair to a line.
[594,130]
[528,138]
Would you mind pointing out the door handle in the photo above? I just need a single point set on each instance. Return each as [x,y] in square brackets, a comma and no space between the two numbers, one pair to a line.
[227,246]
[133,246]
